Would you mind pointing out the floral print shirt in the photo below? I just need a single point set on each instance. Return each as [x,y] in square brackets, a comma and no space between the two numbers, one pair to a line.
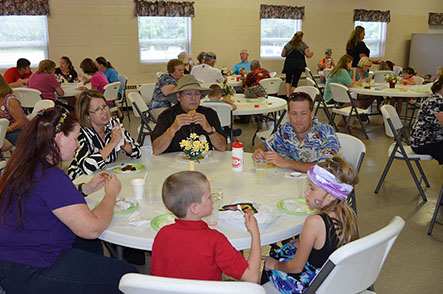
[158,98]
[427,129]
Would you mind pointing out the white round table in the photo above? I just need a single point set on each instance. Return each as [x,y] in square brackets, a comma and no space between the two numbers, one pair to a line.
[217,166]
[234,80]
[246,106]
[414,91]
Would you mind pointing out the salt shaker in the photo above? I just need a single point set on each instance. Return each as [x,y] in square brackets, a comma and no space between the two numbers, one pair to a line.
[237,156]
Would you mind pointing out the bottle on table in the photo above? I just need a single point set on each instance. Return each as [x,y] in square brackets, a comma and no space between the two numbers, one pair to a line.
[237,156]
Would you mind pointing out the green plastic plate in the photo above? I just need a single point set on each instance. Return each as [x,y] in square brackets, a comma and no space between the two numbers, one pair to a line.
[155,222]
[139,167]
[301,201]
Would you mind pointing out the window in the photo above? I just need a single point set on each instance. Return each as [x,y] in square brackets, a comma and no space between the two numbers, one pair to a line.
[163,38]
[275,33]
[375,36]
[23,36]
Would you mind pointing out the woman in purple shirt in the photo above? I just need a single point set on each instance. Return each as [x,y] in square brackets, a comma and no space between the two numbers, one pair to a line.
[44,216]
[45,81]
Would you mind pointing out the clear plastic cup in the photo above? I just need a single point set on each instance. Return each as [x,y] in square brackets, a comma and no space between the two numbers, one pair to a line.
[137,187]
[260,169]
[150,191]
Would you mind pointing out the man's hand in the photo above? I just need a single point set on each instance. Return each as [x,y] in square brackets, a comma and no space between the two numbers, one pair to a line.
[277,159]
[259,154]
[181,120]
[200,119]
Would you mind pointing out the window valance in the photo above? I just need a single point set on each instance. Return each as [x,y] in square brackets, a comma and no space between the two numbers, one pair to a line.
[164,8]
[372,15]
[24,7]
[282,11]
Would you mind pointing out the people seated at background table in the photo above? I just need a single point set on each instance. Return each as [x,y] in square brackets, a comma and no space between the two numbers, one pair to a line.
[302,141]
[427,132]
[187,61]
[334,225]
[326,62]
[189,249]
[257,74]
[244,64]
[186,117]
[355,47]
[101,137]
[18,76]
[11,109]
[166,83]
[206,71]
[386,65]
[201,58]
[66,71]
[294,52]
[45,81]
[45,217]
[98,79]
[406,78]
[340,75]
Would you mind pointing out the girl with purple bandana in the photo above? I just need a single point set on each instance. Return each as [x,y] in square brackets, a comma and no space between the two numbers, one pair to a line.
[292,267]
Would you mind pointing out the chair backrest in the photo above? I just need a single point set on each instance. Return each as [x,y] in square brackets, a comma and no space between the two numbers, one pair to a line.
[418,80]
[352,149]
[389,112]
[42,104]
[27,97]
[136,98]
[311,90]
[123,81]
[356,265]
[146,90]
[271,85]
[110,91]
[224,111]
[379,76]
[339,93]
[327,72]
[397,69]
[4,123]
[141,284]
[308,73]
[273,74]
[310,82]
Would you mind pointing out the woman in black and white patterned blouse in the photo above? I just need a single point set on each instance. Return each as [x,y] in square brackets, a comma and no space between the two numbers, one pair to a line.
[427,133]
[101,137]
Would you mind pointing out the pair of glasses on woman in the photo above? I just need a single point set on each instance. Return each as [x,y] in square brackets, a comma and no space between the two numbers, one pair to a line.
[99,109]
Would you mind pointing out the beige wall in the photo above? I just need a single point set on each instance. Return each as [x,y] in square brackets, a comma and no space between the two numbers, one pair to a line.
[91,28]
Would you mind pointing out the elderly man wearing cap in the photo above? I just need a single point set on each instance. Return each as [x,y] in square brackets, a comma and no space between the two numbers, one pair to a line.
[245,64]
[206,72]
[186,117]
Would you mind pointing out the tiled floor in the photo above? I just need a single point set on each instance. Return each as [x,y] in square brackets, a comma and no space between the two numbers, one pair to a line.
[413,263]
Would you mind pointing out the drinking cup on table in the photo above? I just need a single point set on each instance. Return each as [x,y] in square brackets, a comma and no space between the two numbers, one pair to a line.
[137,187]
[146,152]
[260,169]
[149,191]
[213,218]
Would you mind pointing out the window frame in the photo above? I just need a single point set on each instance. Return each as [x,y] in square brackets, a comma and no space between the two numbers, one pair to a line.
[187,40]
[381,41]
[297,27]
[19,44]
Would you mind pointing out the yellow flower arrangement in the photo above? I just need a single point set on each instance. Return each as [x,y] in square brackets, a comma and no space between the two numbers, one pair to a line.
[195,147]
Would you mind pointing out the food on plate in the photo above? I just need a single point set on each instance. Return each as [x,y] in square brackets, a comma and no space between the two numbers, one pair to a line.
[243,207]
[128,167]
[270,165]
[122,204]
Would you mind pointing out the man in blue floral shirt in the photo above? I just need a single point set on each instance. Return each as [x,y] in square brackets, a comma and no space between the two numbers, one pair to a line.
[302,141]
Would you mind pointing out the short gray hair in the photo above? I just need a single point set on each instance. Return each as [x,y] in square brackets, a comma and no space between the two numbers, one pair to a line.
[255,64]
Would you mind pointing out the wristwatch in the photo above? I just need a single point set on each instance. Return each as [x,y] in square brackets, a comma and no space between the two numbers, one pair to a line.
[80,189]
[212,132]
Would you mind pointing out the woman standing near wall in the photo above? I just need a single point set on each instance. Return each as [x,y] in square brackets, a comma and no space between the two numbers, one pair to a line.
[355,47]
[295,63]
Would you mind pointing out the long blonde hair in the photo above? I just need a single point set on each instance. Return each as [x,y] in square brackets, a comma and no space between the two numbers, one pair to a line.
[296,40]
[346,216]
[342,63]
[354,38]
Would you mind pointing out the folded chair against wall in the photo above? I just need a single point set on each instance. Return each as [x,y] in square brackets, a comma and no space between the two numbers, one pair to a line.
[394,128]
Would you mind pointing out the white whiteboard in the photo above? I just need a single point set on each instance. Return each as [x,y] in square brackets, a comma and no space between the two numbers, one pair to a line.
[426,54]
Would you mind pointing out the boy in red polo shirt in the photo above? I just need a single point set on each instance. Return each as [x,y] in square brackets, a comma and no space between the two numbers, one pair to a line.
[189,249]
[19,75]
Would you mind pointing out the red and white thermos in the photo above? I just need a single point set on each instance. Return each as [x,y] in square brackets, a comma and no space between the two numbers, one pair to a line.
[237,156]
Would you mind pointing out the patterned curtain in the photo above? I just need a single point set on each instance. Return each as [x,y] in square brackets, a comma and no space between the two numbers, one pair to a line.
[282,11]
[435,18]
[164,8]
[372,15]
[24,7]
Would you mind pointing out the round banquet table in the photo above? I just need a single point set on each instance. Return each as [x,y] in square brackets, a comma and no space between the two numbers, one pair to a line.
[414,91]
[71,90]
[276,186]
[247,106]
[234,81]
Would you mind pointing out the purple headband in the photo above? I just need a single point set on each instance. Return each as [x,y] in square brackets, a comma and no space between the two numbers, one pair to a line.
[328,182]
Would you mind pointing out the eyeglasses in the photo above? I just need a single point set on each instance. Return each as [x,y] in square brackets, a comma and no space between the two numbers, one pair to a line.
[192,94]
[99,109]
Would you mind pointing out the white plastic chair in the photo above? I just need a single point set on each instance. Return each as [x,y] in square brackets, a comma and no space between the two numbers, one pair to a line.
[110,92]
[418,80]
[309,74]
[4,123]
[353,151]
[397,69]
[27,97]
[341,94]
[263,135]
[146,91]
[141,284]
[355,266]
[271,85]
[379,76]
[123,101]
[394,128]
[327,72]
[310,90]
[42,104]
[141,110]
[224,113]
